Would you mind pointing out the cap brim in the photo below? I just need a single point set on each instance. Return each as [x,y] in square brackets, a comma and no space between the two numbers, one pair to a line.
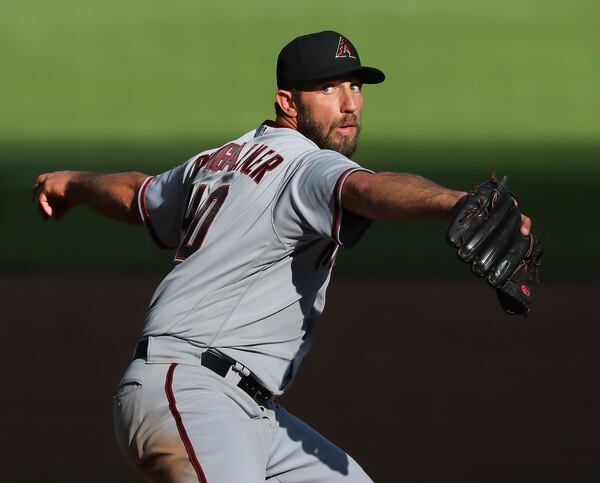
[370,75]
[367,75]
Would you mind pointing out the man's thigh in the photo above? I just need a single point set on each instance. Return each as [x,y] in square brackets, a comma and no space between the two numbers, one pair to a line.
[184,427]
[301,455]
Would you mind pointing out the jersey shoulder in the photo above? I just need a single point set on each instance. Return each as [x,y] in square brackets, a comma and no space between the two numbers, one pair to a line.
[289,142]
[269,151]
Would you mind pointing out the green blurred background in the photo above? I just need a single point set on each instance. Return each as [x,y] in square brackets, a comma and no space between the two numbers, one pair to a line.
[472,87]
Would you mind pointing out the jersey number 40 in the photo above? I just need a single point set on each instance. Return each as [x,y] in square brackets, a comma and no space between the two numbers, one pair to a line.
[198,219]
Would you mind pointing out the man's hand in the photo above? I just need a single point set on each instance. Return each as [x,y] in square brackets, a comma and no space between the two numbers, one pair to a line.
[113,195]
[525,225]
[50,193]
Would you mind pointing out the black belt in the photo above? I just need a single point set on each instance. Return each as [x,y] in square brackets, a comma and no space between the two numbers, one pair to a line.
[221,365]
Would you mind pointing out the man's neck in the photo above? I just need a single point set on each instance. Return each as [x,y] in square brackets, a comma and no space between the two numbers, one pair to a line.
[287,122]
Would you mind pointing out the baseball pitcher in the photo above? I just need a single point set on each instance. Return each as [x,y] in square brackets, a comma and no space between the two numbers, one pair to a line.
[255,226]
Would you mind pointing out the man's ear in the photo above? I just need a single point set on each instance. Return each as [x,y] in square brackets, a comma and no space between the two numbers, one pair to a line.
[286,103]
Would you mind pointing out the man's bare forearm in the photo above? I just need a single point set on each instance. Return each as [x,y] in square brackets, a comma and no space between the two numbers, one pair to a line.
[398,196]
[112,195]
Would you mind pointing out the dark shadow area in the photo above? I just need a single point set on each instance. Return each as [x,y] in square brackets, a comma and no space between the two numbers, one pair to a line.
[418,380]
[555,186]
[312,443]
[429,381]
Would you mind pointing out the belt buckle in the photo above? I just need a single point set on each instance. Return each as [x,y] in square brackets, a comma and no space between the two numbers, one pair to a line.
[239,375]
[241,369]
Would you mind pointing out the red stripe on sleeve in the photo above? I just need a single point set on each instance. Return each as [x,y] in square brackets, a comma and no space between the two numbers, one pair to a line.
[145,213]
[144,210]
[337,202]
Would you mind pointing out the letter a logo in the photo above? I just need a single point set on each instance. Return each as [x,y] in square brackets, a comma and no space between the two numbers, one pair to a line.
[345,49]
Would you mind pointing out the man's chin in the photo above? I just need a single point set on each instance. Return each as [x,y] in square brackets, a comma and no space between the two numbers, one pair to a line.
[346,145]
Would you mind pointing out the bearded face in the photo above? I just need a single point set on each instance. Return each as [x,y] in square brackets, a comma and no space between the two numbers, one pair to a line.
[339,131]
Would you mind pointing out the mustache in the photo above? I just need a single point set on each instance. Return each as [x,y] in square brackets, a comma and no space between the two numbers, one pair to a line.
[347,120]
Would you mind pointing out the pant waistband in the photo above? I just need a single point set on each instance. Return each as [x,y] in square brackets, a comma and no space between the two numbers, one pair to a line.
[221,365]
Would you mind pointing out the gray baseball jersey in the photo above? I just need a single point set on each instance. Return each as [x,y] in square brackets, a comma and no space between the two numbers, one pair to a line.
[256,224]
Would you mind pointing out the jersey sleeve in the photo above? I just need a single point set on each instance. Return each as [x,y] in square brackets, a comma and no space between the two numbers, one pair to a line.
[161,201]
[310,203]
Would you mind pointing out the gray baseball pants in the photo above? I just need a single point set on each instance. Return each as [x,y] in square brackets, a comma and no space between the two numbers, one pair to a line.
[184,423]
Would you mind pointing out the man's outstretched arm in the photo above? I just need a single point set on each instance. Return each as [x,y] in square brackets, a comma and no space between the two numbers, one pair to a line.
[112,195]
[401,196]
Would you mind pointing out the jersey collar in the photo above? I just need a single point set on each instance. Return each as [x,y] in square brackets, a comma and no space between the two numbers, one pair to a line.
[270,123]
[266,124]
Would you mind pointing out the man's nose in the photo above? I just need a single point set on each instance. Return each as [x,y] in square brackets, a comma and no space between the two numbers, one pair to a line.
[348,104]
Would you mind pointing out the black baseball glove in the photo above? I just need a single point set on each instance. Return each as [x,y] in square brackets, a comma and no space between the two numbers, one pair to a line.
[486,231]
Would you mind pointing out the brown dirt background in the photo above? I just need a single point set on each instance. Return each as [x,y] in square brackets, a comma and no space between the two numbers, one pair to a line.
[420,381]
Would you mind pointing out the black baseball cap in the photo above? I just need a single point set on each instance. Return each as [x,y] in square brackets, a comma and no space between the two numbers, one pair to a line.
[320,56]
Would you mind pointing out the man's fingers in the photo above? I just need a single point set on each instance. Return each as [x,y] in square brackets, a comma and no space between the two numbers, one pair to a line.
[43,212]
[44,206]
[49,198]
[40,198]
[39,182]
[525,225]
[36,188]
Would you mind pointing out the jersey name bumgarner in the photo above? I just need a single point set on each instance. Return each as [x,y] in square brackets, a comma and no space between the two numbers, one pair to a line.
[255,163]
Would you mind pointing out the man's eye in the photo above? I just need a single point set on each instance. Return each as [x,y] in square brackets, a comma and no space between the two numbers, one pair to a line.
[356,87]
[327,89]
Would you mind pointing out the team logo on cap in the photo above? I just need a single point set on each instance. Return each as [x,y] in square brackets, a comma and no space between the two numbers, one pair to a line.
[345,49]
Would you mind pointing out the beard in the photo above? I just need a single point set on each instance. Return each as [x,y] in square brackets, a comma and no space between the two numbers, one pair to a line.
[325,136]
